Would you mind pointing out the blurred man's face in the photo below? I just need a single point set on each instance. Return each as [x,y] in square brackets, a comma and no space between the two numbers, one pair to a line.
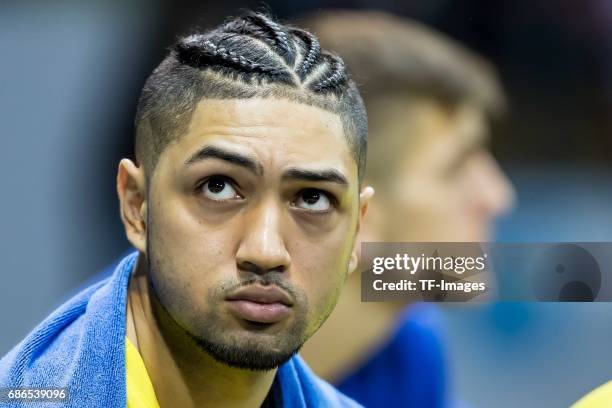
[447,186]
[252,217]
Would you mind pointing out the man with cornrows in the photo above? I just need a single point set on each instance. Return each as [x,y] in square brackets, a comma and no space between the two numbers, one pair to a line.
[243,203]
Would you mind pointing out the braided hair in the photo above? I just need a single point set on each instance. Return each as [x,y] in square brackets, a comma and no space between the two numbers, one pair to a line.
[255,47]
[247,56]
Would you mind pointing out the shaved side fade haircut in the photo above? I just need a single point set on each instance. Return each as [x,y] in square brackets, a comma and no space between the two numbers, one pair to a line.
[246,57]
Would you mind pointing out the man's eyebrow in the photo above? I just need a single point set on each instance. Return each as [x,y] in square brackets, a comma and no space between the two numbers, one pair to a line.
[329,175]
[214,152]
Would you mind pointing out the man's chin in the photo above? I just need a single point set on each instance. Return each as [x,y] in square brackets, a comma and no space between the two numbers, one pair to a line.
[253,352]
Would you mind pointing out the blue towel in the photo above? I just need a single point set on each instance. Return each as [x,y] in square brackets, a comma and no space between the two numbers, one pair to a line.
[81,346]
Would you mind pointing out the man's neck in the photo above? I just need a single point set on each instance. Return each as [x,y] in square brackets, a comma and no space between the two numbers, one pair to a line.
[182,374]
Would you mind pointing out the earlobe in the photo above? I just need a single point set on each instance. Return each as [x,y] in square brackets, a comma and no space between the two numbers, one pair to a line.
[131,188]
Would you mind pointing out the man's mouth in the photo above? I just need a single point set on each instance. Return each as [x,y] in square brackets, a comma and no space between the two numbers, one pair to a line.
[260,304]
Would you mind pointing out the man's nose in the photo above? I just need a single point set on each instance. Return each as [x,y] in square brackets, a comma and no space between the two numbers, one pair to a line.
[262,247]
[496,192]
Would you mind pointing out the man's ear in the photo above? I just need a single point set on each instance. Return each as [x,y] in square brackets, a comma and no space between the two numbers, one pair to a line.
[131,188]
[364,200]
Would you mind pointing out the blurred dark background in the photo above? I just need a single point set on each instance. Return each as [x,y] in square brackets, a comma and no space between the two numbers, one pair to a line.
[70,76]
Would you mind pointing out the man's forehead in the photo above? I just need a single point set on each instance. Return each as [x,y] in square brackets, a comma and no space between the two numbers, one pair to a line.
[253,113]
[291,132]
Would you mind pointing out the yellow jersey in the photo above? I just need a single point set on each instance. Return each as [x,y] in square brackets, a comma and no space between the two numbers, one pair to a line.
[600,397]
[139,389]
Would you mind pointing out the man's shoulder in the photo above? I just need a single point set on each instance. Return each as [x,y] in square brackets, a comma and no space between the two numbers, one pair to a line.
[73,341]
[49,343]
[31,361]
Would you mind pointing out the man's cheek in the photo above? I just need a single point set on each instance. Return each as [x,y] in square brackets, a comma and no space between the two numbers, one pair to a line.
[322,301]
[324,280]
[186,303]
[175,277]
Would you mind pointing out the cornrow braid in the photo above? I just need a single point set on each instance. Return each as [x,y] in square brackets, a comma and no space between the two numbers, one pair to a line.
[338,75]
[312,52]
[199,50]
[280,35]
[263,28]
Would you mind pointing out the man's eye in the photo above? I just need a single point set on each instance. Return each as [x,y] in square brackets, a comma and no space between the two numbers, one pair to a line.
[219,189]
[313,200]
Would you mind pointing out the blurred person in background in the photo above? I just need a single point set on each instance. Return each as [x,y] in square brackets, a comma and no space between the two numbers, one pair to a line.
[430,102]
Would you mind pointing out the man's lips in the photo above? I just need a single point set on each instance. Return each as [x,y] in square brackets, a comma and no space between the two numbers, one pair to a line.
[261,304]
